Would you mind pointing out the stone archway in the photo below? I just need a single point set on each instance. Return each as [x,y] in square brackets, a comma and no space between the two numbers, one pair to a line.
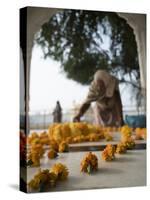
[138,23]
[38,16]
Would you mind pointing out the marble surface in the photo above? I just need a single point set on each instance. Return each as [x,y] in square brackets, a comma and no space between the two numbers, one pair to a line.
[100,145]
[125,171]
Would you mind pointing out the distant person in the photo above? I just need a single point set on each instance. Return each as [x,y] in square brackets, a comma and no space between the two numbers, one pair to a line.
[57,113]
[104,90]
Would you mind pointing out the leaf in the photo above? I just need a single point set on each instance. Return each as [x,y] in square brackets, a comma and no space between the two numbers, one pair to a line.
[76,39]
[89,169]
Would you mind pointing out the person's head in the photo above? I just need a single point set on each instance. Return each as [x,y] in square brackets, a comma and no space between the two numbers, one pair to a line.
[57,102]
[108,80]
[101,75]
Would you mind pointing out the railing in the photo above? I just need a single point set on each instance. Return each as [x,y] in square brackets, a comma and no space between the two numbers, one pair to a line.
[42,119]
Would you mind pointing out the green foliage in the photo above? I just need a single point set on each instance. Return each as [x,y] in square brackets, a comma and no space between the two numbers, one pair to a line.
[75,39]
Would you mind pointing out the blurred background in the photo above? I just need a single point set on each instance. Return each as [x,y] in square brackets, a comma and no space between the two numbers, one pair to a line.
[67,51]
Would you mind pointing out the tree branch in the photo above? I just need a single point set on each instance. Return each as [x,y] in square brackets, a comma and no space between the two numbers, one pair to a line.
[131,83]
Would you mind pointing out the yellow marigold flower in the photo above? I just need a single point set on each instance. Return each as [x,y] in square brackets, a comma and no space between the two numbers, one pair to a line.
[108,153]
[52,154]
[34,184]
[126,131]
[108,136]
[92,129]
[54,145]
[33,159]
[42,180]
[82,127]
[65,130]
[75,131]
[79,139]
[60,170]
[129,143]
[144,133]
[63,147]
[38,148]
[140,133]
[69,140]
[44,139]
[93,137]
[89,163]
[32,137]
[121,148]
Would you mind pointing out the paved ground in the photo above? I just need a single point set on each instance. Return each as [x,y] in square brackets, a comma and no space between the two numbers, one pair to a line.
[126,171]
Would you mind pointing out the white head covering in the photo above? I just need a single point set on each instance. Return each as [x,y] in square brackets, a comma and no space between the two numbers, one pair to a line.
[111,83]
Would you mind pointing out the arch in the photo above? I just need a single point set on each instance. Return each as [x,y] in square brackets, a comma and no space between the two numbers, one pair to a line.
[136,21]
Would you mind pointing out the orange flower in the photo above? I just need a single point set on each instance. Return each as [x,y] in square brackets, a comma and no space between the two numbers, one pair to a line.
[52,154]
[108,136]
[60,170]
[42,180]
[89,163]
[54,145]
[129,143]
[108,153]
[63,147]
[121,148]
[140,133]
